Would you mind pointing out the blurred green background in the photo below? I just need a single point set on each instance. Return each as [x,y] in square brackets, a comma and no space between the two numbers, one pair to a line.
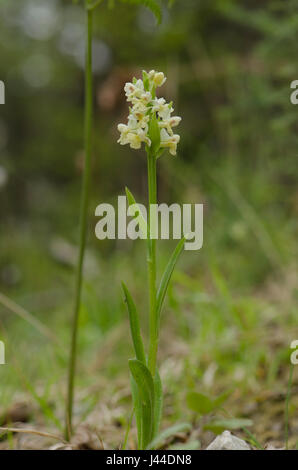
[232,309]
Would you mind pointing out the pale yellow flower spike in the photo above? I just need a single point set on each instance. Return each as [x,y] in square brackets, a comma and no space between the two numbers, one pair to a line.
[141,94]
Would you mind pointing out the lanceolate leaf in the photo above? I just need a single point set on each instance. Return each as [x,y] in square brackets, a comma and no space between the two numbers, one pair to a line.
[144,381]
[167,276]
[134,326]
[137,404]
[153,5]
[158,403]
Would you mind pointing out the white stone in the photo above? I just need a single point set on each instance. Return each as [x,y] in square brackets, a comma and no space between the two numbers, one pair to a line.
[226,441]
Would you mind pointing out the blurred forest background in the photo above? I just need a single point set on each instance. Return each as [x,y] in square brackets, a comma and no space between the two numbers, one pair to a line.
[232,309]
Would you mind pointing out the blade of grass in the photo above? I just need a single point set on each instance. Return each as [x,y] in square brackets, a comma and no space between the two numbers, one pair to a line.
[287,406]
[161,293]
[33,431]
[158,441]
[134,326]
[129,422]
[256,224]
[28,317]
[42,402]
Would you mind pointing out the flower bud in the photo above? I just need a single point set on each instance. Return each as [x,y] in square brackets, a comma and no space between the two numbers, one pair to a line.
[159,79]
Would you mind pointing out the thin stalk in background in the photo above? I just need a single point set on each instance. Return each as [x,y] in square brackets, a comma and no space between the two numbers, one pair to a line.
[83,221]
[287,406]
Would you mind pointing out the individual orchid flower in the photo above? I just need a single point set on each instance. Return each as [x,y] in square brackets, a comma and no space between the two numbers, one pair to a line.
[158,78]
[169,141]
[169,123]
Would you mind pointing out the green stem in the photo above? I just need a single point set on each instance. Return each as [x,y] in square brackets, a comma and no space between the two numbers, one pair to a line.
[83,222]
[287,406]
[153,320]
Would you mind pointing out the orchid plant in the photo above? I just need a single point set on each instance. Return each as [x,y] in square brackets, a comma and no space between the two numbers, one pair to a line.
[150,124]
